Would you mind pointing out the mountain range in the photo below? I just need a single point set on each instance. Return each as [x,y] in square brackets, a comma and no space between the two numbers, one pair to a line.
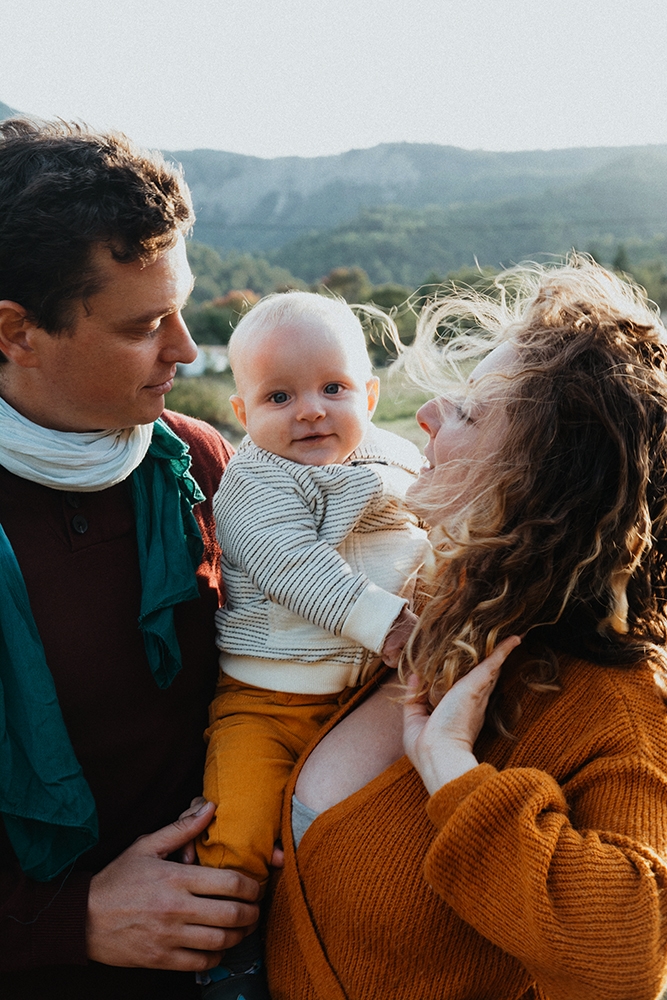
[247,203]
[403,210]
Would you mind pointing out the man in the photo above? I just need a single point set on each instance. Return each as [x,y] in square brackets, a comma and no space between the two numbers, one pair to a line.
[107,657]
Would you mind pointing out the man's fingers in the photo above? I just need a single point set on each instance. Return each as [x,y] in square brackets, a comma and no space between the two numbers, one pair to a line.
[191,960]
[171,838]
[194,807]
[204,935]
[224,888]
[188,852]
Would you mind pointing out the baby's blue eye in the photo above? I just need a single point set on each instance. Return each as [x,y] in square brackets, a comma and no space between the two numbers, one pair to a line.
[279,397]
[332,388]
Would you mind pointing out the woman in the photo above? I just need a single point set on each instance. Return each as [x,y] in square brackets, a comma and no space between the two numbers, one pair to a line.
[520,849]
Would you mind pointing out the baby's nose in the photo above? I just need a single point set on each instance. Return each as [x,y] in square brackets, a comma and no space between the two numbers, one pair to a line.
[311,408]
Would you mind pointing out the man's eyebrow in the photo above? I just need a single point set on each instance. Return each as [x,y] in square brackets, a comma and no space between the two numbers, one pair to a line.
[150,317]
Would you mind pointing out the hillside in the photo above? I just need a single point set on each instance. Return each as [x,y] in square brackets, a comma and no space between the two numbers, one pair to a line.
[403,211]
[624,200]
[6,111]
[247,203]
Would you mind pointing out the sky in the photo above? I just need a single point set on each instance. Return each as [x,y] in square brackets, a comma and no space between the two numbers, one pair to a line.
[319,77]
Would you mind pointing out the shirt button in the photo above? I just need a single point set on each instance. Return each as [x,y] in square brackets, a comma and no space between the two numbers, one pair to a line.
[79,524]
[73,499]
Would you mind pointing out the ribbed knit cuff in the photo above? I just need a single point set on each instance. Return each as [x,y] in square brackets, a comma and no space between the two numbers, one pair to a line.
[59,930]
[447,799]
[373,614]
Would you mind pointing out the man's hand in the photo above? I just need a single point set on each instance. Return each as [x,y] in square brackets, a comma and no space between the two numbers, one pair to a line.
[146,912]
[398,635]
[188,852]
[440,743]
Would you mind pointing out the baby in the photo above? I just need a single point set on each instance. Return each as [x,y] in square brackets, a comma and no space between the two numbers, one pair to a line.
[319,557]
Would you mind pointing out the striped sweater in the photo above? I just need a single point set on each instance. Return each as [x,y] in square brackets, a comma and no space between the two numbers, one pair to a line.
[317,561]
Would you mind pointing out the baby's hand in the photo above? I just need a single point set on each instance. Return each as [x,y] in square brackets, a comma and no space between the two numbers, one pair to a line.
[398,635]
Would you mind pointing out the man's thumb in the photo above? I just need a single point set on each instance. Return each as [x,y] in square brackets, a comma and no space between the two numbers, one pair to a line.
[171,838]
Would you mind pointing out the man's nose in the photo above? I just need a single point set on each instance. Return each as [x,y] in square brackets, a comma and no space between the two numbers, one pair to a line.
[178,345]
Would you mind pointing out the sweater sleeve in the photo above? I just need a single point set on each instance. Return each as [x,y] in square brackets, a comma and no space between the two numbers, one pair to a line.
[42,923]
[267,525]
[569,884]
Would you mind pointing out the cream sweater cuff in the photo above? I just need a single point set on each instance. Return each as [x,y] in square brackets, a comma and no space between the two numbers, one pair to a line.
[372,616]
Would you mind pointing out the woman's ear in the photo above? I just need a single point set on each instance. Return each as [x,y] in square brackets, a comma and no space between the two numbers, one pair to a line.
[238,406]
[16,334]
[373,394]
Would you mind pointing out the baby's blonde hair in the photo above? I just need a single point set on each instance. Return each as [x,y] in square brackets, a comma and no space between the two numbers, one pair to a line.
[299,309]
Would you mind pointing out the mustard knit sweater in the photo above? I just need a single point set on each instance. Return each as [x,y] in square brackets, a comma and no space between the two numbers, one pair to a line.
[540,873]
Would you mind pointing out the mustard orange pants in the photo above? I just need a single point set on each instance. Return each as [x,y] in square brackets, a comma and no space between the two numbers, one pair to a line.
[254,739]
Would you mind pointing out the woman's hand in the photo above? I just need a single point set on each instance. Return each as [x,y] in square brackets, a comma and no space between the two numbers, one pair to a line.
[439,743]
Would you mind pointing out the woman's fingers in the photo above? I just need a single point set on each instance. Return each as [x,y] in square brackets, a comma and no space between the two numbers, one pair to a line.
[492,664]
[440,743]
[416,712]
[462,709]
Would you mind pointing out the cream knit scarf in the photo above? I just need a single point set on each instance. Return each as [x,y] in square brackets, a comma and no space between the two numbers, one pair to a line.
[64,460]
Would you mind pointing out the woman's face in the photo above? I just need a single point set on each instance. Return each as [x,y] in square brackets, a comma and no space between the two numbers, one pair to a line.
[462,431]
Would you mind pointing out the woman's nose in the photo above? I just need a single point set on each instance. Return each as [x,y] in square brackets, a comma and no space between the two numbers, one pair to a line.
[429,417]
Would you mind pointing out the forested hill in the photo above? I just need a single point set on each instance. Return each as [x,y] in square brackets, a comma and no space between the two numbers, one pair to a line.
[246,203]
[404,211]
[622,202]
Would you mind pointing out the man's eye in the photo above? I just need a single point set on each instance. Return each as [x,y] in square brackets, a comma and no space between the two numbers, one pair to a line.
[279,397]
[332,388]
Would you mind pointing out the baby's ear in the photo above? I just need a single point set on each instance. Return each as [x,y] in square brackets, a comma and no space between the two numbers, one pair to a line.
[373,393]
[238,406]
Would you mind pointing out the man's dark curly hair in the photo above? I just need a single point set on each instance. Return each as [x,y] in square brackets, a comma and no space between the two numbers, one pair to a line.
[64,190]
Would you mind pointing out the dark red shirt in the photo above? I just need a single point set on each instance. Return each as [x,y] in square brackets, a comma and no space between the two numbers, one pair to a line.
[141,748]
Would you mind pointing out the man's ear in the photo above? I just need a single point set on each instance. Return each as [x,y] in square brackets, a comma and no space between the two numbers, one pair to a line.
[238,406]
[17,334]
[373,393]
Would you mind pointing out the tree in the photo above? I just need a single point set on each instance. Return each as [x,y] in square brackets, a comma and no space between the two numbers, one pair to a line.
[351,283]
[621,261]
[216,275]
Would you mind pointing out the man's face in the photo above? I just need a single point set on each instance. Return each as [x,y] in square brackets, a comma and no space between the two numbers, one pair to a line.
[117,361]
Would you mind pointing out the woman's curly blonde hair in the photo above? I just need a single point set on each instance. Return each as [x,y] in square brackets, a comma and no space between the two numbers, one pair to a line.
[561,536]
